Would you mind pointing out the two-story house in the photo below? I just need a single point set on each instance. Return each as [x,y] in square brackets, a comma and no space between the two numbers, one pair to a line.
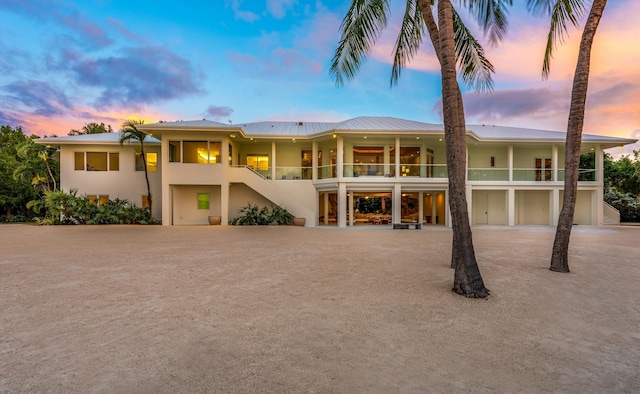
[362,171]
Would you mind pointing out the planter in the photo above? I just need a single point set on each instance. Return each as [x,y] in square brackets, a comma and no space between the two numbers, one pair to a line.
[215,220]
[299,221]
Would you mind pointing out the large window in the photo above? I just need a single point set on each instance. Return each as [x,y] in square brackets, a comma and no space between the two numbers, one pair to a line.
[197,152]
[368,160]
[97,161]
[258,162]
[152,161]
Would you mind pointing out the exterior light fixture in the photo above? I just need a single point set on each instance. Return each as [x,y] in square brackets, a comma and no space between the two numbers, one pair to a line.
[334,136]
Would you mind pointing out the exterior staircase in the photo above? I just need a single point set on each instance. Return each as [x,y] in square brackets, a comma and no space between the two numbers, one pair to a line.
[270,190]
[611,215]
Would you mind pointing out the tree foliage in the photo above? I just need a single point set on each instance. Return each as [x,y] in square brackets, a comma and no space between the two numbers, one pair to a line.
[92,128]
[27,170]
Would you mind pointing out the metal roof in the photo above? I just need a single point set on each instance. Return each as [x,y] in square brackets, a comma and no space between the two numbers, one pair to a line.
[369,124]
[100,138]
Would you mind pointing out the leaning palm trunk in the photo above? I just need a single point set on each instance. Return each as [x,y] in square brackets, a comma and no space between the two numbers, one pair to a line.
[559,255]
[146,177]
[467,279]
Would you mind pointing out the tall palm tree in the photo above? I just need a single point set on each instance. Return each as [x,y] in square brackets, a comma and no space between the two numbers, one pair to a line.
[453,44]
[561,12]
[130,132]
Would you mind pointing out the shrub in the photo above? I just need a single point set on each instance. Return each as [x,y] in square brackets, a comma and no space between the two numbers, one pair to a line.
[252,215]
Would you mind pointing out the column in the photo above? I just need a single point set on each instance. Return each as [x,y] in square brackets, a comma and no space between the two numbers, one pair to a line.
[510,158]
[342,204]
[273,160]
[350,208]
[554,162]
[396,216]
[420,207]
[512,204]
[340,158]
[600,188]
[314,161]
[555,206]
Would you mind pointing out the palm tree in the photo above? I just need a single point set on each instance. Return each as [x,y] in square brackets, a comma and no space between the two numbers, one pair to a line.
[563,11]
[453,44]
[129,132]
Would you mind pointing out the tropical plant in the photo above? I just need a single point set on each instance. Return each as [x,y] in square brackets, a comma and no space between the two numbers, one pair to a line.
[70,208]
[453,45]
[561,12]
[252,215]
[130,132]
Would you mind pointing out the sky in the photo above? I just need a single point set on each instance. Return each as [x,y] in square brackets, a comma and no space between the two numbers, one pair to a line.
[67,63]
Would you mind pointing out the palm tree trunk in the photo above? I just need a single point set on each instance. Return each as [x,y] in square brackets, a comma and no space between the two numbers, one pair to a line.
[467,278]
[146,177]
[560,252]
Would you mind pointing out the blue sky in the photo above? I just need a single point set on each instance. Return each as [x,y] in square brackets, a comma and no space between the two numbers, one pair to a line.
[66,64]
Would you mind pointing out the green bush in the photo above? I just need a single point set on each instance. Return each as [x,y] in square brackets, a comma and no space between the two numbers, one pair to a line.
[252,215]
[69,208]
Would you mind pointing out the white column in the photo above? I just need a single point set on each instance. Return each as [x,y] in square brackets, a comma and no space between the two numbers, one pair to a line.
[512,206]
[469,195]
[342,204]
[314,161]
[420,207]
[510,158]
[599,195]
[340,158]
[554,162]
[273,160]
[224,203]
[396,216]
[398,156]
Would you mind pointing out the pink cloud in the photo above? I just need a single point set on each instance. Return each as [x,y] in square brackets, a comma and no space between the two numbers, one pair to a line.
[278,8]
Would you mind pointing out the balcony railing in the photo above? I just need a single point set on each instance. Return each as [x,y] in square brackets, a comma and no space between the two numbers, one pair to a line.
[357,170]
[488,174]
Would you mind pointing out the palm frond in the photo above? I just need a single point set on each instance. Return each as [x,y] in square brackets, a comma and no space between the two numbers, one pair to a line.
[129,131]
[409,39]
[360,28]
[475,68]
[561,12]
[492,17]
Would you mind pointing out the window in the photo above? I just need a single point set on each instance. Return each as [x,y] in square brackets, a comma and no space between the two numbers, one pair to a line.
[99,199]
[174,151]
[152,162]
[539,169]
[79,161]
[114,161]
[96,161]
[258,162]
[214,152]
[203,200]
[196,152]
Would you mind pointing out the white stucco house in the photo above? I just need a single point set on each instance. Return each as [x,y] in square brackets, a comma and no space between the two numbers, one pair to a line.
[362,171]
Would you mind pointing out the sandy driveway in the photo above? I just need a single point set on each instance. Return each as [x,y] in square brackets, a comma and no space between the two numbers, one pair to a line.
[157,309]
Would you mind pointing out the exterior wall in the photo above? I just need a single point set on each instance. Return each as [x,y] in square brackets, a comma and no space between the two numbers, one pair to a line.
[185,204]
[584,213]
[240,195]
[481,157]
[126,183]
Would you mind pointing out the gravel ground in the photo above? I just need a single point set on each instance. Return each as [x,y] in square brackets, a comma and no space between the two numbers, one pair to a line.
[157,309]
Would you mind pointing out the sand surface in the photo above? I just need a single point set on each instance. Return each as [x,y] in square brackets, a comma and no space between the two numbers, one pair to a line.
[153,309]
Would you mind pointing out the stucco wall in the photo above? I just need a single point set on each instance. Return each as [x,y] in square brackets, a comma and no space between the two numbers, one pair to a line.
[126,183]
